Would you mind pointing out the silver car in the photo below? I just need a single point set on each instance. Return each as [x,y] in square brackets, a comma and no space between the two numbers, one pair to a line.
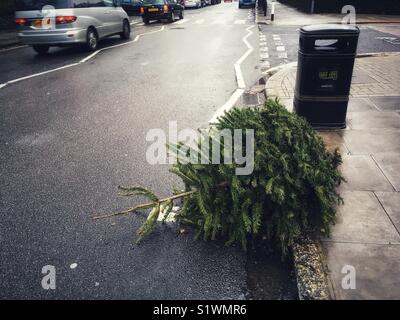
[46,23]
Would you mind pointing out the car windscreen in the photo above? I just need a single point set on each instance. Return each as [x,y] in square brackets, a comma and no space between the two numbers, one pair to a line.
[25,5]
[149,2]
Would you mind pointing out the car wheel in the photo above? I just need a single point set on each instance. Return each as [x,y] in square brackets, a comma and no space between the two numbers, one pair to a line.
[41,49]
[126,30]
[92,40]
[146,21]
[181,16]
[172,17]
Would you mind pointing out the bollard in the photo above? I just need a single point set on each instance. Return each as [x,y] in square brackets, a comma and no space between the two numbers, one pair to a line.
[273,11]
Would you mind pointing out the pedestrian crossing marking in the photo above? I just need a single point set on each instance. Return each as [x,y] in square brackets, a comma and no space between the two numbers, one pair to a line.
[280,48]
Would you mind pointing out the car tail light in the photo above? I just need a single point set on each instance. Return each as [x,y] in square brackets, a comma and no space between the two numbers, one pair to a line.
[65,19]
[165,8]
[21,21]
[141,10]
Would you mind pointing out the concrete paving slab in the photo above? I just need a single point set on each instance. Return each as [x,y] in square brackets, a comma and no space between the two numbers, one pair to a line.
[333,140]
[376,270]
[387,103]
[362,174]
[362,219]
[390,165]
[360,76]
[391,204]
[372,141]
[373,120]
[360,104]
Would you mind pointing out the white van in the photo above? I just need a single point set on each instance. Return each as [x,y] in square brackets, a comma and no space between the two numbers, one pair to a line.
[46,23]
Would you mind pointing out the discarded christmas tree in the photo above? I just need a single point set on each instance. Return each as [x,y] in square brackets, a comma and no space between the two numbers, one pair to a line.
[291,191]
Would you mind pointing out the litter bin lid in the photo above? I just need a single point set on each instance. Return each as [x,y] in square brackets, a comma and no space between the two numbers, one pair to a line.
[328,29]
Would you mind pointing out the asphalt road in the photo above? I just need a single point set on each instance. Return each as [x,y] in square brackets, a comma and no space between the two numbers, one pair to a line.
[70,136]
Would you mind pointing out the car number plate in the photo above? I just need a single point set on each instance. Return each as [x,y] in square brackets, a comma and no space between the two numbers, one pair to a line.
[153,10]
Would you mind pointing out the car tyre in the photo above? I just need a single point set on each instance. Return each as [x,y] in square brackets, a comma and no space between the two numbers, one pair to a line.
[172,17]
[41,49]
[126,30]
[92,40]
[146,21]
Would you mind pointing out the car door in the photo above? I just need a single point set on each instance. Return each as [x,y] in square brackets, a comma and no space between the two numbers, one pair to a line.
[112,17]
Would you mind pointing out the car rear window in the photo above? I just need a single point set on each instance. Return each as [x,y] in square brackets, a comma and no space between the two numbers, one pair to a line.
[22,5]
[153,1]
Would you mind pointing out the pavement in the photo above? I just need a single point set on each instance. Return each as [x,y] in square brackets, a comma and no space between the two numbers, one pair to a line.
[283,12]
[367,233]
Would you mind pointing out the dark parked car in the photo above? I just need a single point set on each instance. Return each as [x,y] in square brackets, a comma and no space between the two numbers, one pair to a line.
[132,7]
[161,10]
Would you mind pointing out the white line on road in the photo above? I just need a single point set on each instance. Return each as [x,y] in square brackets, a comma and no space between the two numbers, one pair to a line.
[39,74]
[240,22]
[239,78]
[182,21]
[81,61]
[280,48]
[13,48]
[228,105]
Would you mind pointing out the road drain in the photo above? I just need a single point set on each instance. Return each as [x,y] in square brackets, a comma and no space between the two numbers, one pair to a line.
[268,277]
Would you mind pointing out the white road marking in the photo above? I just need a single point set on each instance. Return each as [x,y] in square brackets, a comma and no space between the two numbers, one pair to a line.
[38,74]
[219,21]
[280,48]
[228,105]
[239,78]
[13,48]
[73,265]
[282,55]
[182,21]
[200,21]
[264,49]
[2,85]
[276,36]
[240,22]
[263,43]
[264,56]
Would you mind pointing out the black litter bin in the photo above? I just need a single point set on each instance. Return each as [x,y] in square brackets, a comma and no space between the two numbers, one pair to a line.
[324,71]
